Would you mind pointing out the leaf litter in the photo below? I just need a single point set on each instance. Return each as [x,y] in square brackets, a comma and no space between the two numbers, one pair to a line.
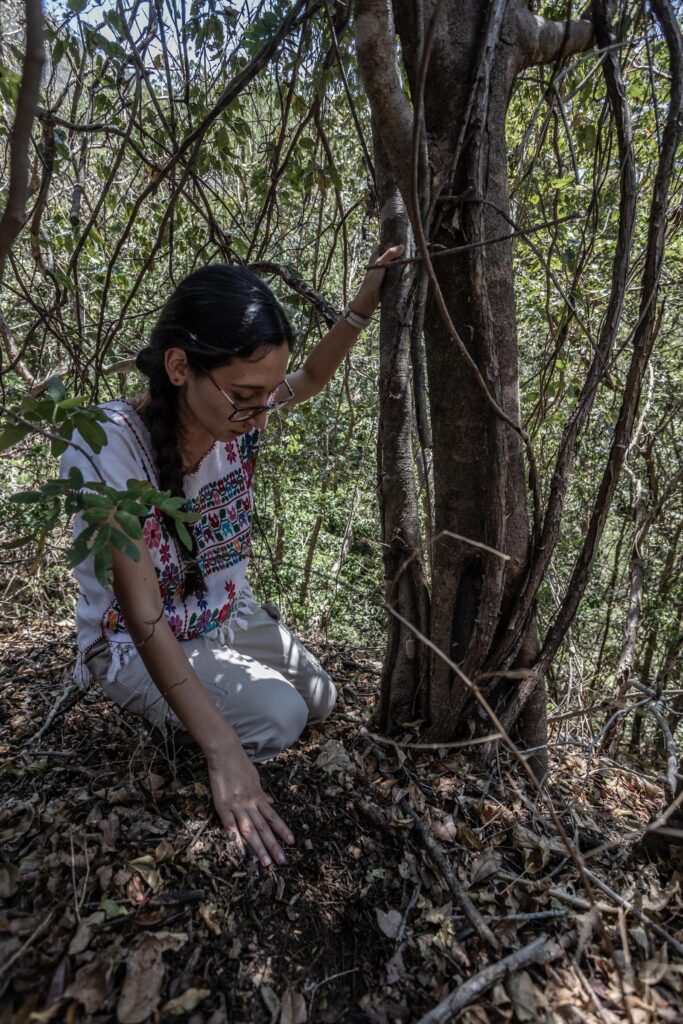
[414,874]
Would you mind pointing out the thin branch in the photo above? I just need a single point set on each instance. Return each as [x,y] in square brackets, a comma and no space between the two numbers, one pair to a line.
[14,214]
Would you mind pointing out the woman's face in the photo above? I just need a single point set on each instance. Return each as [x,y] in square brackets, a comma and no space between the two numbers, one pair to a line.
[206,411]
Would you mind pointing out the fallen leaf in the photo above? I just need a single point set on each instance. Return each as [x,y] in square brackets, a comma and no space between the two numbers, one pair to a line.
[208,912]
[141,991]
[146,867]
[8,880]
[83,935]
[270,1001]
[188,1001]
[395,968]
[528,1000]
[333,758]
[484,866]
[292,1008]
[112,909]
[164,851]
[389,922]
[92,983]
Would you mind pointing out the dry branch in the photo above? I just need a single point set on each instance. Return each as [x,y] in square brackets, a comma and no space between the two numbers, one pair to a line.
[540,951]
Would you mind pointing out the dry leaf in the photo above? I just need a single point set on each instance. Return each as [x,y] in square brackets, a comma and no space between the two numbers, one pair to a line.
[164,851]
[395,968]
[146,867]
[529,1002]
[467,836]
[87,925]
[141,992]
[292,1008]
[188,1001]
[333,758]
[389,922]
[8,880]
[270,1001]
[485,866]
[207,912]
[92,983]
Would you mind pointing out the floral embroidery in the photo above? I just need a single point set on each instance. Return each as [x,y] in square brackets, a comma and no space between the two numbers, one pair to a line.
[176,624]
[151,532]
[223,537]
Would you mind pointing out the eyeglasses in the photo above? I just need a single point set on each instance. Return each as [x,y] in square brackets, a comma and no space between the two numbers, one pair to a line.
[279,396]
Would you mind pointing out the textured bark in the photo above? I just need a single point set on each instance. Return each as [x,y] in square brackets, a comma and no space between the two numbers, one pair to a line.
[479,486]
[627,654]
[403,692]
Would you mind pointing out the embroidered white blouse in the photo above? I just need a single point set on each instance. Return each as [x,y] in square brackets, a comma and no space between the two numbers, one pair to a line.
[219,491]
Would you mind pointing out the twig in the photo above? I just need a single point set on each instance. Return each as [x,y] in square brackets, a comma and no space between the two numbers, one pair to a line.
[38,930]
[643,918]
[454,883]
[387,741]
[56,707]
[540,951]
[520,232]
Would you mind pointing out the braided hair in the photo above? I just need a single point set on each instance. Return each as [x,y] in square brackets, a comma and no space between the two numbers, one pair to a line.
[216,314]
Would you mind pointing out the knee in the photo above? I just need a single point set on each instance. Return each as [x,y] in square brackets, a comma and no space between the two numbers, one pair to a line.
[323,698]
[287,717]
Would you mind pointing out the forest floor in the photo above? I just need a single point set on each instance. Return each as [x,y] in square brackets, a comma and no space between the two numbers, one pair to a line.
[415,874]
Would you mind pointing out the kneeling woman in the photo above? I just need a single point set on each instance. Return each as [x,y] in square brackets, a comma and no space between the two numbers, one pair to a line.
[182,641]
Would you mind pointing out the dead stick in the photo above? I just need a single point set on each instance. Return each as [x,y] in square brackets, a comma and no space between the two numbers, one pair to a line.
[540,951]
[454,883]
[643,918]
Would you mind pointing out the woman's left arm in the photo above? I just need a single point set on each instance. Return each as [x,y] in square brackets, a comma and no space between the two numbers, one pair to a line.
[329,353]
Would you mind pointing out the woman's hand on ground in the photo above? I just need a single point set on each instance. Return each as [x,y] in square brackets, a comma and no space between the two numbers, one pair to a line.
[368,296]
[244,808]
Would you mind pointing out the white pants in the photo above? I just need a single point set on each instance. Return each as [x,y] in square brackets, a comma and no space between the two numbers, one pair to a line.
[267,685]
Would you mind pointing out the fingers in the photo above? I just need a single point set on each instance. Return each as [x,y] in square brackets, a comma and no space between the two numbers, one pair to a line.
[276,823]
[236,844]
[257,827]
[381,259]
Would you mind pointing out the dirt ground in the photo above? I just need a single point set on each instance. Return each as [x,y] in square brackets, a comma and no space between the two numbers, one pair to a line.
[414,874]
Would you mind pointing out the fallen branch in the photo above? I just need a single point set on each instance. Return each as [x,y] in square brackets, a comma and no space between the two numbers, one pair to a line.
[70,696]
[540,951]
[454,884]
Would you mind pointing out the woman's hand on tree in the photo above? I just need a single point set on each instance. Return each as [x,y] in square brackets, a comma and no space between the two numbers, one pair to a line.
[244,808]
[368,296]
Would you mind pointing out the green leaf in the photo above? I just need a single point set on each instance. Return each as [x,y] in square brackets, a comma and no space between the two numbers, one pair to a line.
[27,497]
[130,524]
[12,435]
[75,478]
[134,508]
[58,446]
[112,909]
[80,548]
[18,542]
[90,431]
[184,535]
[102,540]
[103,564]
[125,544]
[77,6]
[56,390]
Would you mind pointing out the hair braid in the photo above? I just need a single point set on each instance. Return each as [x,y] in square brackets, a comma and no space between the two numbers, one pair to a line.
[161,417]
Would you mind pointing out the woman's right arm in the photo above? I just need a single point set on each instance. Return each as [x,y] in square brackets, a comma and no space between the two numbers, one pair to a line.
[241,803]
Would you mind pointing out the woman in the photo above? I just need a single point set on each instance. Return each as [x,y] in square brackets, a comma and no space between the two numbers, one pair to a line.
[181,641]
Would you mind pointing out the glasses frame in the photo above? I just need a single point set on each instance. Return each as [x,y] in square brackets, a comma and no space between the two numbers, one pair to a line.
[238,415]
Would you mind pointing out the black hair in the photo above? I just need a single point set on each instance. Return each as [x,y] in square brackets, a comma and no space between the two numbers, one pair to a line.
[216,314]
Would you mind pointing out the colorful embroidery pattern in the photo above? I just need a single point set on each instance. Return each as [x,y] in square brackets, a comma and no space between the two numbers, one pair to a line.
[223,535]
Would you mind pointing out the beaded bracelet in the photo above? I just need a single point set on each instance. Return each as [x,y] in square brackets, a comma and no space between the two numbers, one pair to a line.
[355,319]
